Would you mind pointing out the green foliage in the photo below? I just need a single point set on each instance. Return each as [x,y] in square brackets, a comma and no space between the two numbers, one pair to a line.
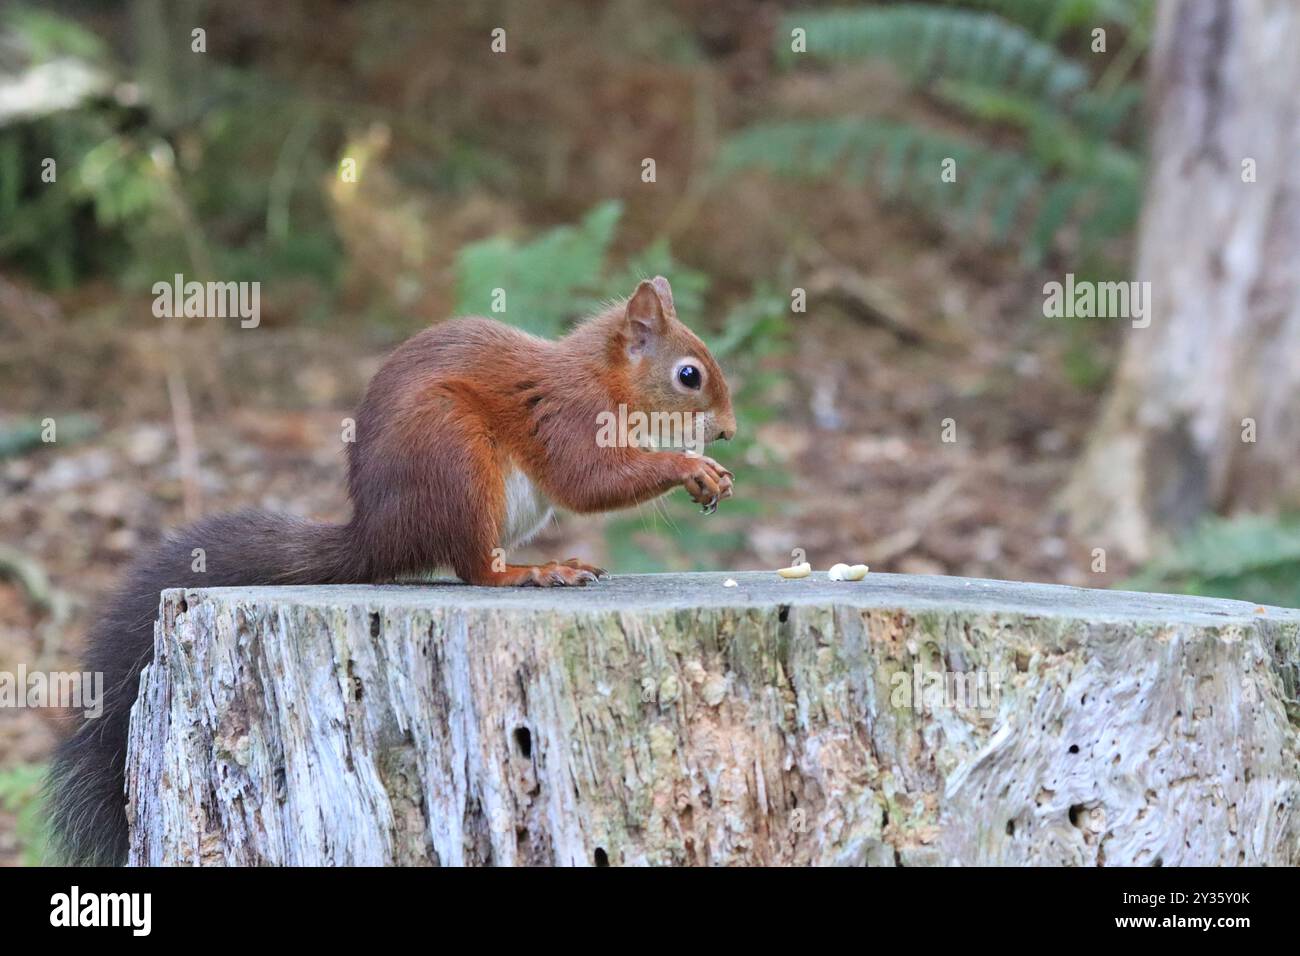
[20,794]
[23,434]
[926,41]
[1050,156]
[541,278]
[1251,558]
[47,36]
[107,192]
[565,273]
[997,193]
[689,285]
[125,203]
[99,174]
[1052,18]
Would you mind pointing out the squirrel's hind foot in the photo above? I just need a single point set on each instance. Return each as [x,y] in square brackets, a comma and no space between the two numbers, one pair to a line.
[553,574]
[570,573]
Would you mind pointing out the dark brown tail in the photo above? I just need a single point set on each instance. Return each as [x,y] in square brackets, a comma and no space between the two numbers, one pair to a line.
[85,789]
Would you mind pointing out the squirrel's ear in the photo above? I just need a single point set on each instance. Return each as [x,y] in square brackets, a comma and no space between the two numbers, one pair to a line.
[665,294]
[646,317]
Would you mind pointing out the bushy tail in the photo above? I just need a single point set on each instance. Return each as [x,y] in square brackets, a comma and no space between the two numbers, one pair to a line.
[85,789]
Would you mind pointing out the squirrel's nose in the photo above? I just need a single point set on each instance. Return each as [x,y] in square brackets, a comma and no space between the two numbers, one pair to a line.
[726,433]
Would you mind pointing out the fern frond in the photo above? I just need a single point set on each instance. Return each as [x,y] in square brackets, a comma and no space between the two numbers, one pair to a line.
[1049,19]
[995,191]
[540,278]
[563,274]
[689,285]
[929,42]
[1093,115]
[1102,113]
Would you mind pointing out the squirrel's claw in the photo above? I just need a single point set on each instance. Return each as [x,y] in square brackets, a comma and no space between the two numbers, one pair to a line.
[708,484]
[595,573]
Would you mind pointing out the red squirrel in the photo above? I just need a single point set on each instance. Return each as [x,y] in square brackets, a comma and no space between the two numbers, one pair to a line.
[467,436]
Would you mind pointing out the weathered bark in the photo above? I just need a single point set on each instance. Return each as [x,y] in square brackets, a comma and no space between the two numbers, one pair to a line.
[669,719]
[1223,344]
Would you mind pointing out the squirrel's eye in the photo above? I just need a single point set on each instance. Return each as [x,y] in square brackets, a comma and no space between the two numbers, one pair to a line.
[689,376]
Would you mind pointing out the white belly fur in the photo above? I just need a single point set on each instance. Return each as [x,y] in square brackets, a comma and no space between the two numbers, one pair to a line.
[527,510]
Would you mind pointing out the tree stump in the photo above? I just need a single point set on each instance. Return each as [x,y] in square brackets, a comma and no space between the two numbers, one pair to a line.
[669,719]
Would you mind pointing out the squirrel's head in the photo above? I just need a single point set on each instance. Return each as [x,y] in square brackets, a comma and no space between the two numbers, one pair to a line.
[669,368]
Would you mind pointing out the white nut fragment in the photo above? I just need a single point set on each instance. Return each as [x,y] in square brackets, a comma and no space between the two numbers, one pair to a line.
[798,571]
[729,583]
[844,572]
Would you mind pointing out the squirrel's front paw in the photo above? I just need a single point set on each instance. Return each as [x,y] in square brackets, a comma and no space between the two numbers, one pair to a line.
[707,482]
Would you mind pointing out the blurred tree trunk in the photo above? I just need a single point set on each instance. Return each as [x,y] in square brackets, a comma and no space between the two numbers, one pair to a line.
[1222,254]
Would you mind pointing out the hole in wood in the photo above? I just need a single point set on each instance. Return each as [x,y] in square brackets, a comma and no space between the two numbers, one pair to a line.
[524,741]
